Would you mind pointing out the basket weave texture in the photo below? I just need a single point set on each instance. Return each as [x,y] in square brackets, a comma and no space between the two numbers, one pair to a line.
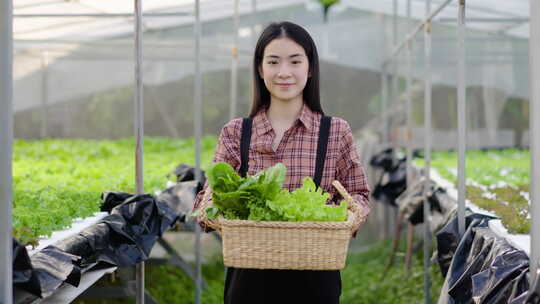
[285,245]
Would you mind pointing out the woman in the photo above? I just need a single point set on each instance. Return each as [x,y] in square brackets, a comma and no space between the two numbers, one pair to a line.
[286,117]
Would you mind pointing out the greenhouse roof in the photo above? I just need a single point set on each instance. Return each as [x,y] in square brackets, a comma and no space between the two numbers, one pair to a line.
[358,35]
[43,20]
[498,16]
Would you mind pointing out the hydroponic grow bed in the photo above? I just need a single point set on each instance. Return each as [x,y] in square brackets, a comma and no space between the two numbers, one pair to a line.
[58,180]
[497,181]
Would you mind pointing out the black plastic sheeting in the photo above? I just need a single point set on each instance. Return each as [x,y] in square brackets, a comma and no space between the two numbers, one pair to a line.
[393,180]
[482,267]
[131,229]
[184,173]
[24,275]
[448,237]
[45,271]
[123,238]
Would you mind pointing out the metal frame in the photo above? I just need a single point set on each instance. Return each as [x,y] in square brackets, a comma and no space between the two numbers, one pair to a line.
[408,136]
[44,93]
[99,15]
[254,23]
[408,84]
[484,20]
[534,134]
[534,45]
[6,150]
[427,153]
[234,63]
[6,136]
[139,131]
[462,118]
[197,100]
[418,28]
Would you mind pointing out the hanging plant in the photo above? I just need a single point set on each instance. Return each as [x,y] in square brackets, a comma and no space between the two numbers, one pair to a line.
[326,4]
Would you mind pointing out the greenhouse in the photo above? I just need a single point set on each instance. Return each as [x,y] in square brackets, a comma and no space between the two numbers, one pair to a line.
[118,184]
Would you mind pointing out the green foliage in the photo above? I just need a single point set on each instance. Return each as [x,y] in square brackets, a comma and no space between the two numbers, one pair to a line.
[307,203]
[56,181]
[486,167]
[260,197]
[362,281]
[169,284]
[489,168]
[244,198]
[507,203]
[328,3]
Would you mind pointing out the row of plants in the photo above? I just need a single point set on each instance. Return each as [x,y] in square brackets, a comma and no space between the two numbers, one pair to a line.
[58,180]
[497,181]
[362,280]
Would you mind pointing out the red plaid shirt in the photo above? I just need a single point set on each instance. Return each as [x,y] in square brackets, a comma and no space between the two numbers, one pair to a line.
[297,151]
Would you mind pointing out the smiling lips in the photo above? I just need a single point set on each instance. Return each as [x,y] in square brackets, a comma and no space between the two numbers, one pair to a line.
[284,85]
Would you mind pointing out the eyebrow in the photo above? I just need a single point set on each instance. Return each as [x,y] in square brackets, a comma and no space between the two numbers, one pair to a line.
[291,56]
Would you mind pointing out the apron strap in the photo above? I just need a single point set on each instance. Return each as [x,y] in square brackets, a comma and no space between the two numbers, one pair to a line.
[324,132]
[245,141]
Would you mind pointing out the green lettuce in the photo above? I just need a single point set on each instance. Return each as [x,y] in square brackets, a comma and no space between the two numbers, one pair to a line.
[307,203]
[261,198]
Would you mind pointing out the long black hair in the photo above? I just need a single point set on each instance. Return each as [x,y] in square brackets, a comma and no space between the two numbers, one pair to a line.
[261,95]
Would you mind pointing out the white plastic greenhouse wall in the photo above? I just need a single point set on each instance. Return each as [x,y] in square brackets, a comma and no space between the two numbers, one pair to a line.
[420,75]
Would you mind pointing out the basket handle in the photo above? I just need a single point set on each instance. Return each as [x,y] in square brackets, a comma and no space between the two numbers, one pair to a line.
[359,216]
[205,203]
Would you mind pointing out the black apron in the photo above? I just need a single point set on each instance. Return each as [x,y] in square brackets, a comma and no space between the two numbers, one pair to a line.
[275,286]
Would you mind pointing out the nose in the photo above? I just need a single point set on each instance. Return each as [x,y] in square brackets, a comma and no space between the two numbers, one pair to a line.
[284,71]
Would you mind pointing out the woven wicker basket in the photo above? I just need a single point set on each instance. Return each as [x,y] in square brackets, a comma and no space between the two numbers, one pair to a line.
[286,245]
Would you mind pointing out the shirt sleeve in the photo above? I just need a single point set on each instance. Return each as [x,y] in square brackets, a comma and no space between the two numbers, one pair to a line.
[350,172]
[227,150]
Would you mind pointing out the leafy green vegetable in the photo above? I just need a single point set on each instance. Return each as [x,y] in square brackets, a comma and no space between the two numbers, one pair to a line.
[58,180]
[261,197]
[307,203]
[238,197]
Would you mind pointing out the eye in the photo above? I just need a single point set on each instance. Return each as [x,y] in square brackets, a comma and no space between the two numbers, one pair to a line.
[296,62]
[272,62]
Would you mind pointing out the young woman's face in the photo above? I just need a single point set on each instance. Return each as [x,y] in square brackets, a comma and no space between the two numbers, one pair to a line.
[285,69]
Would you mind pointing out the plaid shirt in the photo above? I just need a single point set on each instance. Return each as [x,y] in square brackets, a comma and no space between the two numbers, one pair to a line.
[297,151]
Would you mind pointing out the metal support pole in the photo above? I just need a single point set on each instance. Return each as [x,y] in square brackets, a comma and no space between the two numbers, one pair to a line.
[384,106]
[254,23]
[384,211]
[427,122]
[44,93]
[420,26]
[408,134]
[462,121]
[394,96]
[6,150]
[139,131]
[394,23]
[197,105]
[234,65]
[534,133]
[384,81]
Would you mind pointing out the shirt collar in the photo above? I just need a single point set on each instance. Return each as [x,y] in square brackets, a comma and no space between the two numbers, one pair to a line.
[307,117]
[262,124]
